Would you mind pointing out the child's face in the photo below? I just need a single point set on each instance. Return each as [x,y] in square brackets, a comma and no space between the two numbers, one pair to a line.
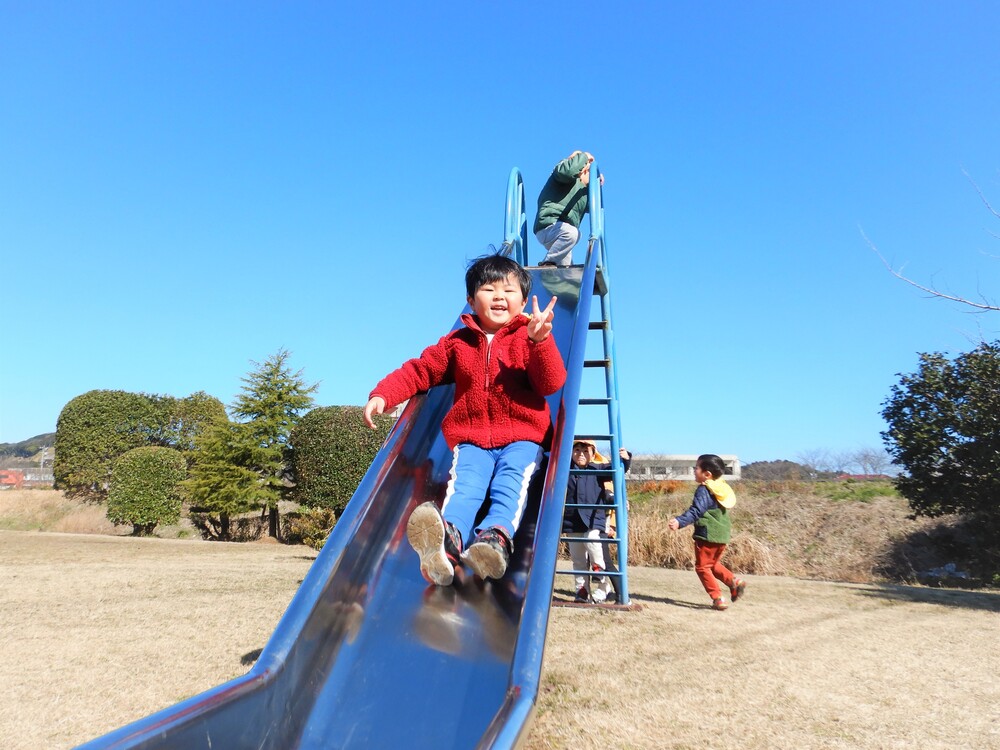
[582,454]
[700,475]
[497,303]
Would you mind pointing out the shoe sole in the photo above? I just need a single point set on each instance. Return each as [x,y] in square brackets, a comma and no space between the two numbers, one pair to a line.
[737,593]
[425,532]
[485,561]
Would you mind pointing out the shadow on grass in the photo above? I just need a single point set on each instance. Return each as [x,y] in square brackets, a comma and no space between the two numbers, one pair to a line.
[565,596]
[667,600]
[988,601]
[250,658]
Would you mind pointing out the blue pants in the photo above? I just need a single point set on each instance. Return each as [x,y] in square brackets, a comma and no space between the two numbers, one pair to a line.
[502,472]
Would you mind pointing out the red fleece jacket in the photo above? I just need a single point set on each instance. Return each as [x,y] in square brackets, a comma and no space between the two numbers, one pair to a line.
[500,386]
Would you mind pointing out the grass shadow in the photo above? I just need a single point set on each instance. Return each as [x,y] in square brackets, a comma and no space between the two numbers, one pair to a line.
[957,598]
[250,658]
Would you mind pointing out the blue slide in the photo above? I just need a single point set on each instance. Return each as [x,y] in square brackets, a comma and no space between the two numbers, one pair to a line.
[367,654]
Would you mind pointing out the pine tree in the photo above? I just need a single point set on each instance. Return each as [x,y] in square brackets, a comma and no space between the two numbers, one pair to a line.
[242,464]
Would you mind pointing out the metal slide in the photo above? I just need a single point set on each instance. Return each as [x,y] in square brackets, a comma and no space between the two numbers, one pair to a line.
[367,654]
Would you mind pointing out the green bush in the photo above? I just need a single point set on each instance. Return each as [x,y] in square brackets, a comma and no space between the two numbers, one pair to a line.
[332,450]
[97,427]
[311,527]
[145,490]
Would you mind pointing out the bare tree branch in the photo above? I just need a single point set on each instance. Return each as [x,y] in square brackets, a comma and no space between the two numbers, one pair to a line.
[981,196]
[984,306]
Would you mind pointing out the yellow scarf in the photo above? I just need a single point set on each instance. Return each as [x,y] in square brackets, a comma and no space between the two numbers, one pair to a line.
[721,491]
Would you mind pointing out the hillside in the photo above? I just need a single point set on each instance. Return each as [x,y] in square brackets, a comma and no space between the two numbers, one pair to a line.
[27,448]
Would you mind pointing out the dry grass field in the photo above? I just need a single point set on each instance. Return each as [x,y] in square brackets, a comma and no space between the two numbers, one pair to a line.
[98,630]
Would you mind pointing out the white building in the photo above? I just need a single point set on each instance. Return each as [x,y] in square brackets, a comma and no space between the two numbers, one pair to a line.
[674,466]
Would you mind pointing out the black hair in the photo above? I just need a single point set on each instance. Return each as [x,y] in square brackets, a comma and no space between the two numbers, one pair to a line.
[489,269]
[712,464]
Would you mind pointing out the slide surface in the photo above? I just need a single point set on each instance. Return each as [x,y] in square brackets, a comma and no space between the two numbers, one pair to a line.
[367,654]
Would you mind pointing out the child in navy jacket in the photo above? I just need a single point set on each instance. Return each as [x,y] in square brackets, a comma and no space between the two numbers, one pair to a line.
[709,512]
[589,523]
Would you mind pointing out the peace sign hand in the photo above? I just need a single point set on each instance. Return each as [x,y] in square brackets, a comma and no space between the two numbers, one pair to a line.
[540,325]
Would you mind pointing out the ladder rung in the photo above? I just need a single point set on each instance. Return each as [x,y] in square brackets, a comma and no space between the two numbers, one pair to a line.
[597,363]
[594,401]
[611,573]
[592,437]
[597,325]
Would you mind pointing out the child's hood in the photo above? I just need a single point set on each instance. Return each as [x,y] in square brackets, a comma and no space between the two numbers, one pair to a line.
[721,491]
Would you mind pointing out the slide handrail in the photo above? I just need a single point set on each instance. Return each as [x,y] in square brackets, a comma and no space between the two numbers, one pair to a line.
[515,223]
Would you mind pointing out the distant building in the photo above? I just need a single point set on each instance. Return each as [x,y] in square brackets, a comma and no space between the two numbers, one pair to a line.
[674,466]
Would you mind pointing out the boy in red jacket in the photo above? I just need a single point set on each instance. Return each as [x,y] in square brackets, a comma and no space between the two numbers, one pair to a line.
[503,364]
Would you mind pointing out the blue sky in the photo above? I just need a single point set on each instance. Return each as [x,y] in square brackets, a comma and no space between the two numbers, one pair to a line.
[188,187]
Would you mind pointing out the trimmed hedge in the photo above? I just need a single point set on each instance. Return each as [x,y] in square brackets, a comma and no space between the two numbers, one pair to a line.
[97,427]
[145,488]
[332,450]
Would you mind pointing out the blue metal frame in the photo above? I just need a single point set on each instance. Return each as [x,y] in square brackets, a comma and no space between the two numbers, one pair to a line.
[595,200]
[515,223]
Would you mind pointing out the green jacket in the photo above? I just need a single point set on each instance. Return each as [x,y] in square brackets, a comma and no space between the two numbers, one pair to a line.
[563,197]
[712,522]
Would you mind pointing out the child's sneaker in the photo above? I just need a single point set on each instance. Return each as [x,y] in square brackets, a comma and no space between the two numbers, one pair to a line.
[582,595]
[438,543]
[489,554]
[739,586]
[719,604]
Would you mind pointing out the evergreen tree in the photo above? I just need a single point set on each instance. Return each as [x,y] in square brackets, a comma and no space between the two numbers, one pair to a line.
[220,481]
[243,464]
[944,430]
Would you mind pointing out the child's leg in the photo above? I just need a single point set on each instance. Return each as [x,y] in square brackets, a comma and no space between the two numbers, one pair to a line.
[515,465]
[594,548]
[469,479]
[723,573]
[706,556]
[559,239]
[609,565]
[578,554]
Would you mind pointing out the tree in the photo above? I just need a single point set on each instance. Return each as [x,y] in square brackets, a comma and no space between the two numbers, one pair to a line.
[872,460]
[220,482]
[780,470]
[191,416]
[333,449]
[982,305]
[244,464]
[944,430]
[97,427]
[145,488]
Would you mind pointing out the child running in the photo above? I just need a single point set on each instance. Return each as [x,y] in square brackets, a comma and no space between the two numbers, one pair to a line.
[713,499]
[503,364]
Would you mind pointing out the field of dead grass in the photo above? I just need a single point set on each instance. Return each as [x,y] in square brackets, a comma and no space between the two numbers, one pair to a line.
[96,631]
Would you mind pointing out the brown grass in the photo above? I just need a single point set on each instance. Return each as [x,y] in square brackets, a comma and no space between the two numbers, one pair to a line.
[50,510]
[791,528]
[96,631]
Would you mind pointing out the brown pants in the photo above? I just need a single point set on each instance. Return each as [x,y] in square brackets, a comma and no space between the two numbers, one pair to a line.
[708,565]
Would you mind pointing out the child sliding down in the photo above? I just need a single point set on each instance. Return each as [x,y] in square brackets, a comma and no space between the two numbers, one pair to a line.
[503,363]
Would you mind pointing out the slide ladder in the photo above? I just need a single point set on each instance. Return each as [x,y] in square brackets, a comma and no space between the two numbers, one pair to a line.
[604,394]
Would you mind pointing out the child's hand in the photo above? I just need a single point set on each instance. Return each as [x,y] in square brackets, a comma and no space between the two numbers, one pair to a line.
[540,325]
[624,454]
[375,405]
[673,525]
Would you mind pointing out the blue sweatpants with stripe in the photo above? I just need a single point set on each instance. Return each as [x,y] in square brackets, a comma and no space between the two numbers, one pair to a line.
[504,473]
